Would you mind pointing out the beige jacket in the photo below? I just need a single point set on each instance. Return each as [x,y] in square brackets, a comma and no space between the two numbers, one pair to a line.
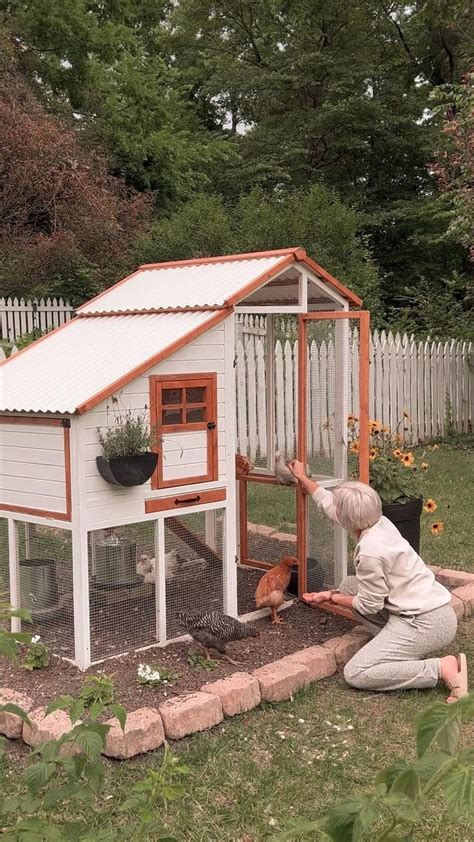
[390,573]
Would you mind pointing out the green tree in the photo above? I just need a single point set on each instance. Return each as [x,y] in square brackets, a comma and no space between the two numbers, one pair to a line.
[314,219]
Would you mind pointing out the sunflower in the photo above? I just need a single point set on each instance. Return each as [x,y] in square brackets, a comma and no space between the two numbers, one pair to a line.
[385,429]
[397,439]
[373,453]
[407,459]
[430,506]
[424,466]
[397,453]
[351,420]
[376,429]
[354,446]
[437,528]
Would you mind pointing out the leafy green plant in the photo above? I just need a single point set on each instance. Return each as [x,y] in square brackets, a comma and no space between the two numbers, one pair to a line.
[394,808]
[130,436]
[152,675]
[37,654]
[197,659]
[155,791]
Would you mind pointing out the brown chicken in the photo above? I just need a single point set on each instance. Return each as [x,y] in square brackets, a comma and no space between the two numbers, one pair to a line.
[242,465]
[272,586]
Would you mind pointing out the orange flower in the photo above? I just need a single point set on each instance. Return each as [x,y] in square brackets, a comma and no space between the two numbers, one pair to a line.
[354,447]
[351,420]
[385,429]
[430,506]
[437,528]
[407,459]
[424,466]
[397,453]
[373,453]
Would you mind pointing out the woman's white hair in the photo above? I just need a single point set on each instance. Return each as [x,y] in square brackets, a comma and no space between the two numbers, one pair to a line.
[358,506]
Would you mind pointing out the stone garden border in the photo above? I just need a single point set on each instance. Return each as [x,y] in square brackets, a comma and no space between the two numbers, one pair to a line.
[147,728]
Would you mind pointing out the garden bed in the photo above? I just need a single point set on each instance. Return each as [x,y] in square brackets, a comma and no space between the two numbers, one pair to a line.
[303,627]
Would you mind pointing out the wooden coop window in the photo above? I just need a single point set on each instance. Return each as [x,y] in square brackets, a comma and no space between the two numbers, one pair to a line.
[184,413]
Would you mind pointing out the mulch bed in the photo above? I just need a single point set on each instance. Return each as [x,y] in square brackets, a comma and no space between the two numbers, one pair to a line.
[303,626]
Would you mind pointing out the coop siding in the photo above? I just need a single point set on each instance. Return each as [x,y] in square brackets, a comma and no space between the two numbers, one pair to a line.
[32,467]
[105,502]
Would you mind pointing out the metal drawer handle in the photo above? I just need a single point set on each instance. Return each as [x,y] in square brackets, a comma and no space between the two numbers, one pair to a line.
[177,502]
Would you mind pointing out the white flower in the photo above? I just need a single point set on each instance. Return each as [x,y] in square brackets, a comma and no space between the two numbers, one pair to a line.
[36,638]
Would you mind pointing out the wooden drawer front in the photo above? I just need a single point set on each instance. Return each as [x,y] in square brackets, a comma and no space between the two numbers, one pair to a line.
[183,501]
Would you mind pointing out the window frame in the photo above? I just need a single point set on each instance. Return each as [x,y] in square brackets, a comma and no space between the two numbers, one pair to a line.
[160,382]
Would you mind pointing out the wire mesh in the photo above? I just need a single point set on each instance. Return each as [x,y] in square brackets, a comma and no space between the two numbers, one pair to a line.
[329,397]
[326,551]
[194,564]
[123,602]
[4,564]
[46,584]
[283,291]
[271,522]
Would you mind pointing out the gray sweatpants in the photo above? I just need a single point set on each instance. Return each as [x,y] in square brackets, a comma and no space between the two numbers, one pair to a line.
[396,657]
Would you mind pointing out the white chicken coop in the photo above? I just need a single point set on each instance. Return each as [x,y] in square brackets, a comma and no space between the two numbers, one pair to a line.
[105,567]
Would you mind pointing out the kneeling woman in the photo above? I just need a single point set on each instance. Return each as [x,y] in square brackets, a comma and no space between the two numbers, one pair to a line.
[394,595]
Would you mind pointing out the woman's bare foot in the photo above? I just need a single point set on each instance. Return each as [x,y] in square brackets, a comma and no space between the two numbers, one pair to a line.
[453,671]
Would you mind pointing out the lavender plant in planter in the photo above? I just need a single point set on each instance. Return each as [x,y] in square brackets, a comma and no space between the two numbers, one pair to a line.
[127,458]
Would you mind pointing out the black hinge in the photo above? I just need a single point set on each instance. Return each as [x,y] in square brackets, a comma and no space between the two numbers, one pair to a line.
[211,425]
[66,422]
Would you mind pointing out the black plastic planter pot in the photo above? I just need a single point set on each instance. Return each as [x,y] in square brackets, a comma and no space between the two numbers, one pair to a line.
[127,470]
[315,577]
[406,517]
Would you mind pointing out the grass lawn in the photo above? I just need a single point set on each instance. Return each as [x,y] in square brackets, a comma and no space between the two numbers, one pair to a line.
[252,774]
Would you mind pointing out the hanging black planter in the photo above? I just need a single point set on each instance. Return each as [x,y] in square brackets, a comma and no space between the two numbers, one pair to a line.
[406,517]
[127,470]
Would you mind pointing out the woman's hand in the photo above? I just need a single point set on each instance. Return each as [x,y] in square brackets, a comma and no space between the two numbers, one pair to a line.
[316,598]
[297,469]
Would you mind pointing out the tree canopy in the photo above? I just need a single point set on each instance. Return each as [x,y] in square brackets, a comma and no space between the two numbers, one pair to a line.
[260,123]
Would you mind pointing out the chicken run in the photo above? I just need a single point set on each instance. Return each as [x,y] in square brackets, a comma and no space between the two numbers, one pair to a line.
[109,562]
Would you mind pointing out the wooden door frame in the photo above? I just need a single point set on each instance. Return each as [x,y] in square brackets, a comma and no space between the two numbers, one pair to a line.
[363,317]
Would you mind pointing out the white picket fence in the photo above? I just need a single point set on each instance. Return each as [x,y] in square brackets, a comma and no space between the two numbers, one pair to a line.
[19,316]
[433,382]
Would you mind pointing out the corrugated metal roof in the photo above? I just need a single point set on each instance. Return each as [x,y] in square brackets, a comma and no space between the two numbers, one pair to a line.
[78,361]
[191,285]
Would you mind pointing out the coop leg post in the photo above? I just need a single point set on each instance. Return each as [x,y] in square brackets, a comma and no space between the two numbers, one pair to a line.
[229,565]
[14,573]
[211,529]
[160,581]
[82,636]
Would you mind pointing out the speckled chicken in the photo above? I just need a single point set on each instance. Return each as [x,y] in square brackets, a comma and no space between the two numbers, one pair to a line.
[214,630]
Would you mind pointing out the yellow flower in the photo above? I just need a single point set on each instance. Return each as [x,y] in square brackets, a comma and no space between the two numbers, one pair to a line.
[424,466]
[385,429]
[373,453]
[397,439]
[397,453]
[351,420]
[407,459]
[354,447]
[437,528]
[406,415]
[430,506]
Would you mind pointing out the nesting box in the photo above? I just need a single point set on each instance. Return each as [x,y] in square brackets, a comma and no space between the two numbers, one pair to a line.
[113,561]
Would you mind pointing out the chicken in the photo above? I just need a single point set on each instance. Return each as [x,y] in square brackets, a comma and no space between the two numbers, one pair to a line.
[242,465]
[282,472]
[214,630]
[146,566]
[272,586]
